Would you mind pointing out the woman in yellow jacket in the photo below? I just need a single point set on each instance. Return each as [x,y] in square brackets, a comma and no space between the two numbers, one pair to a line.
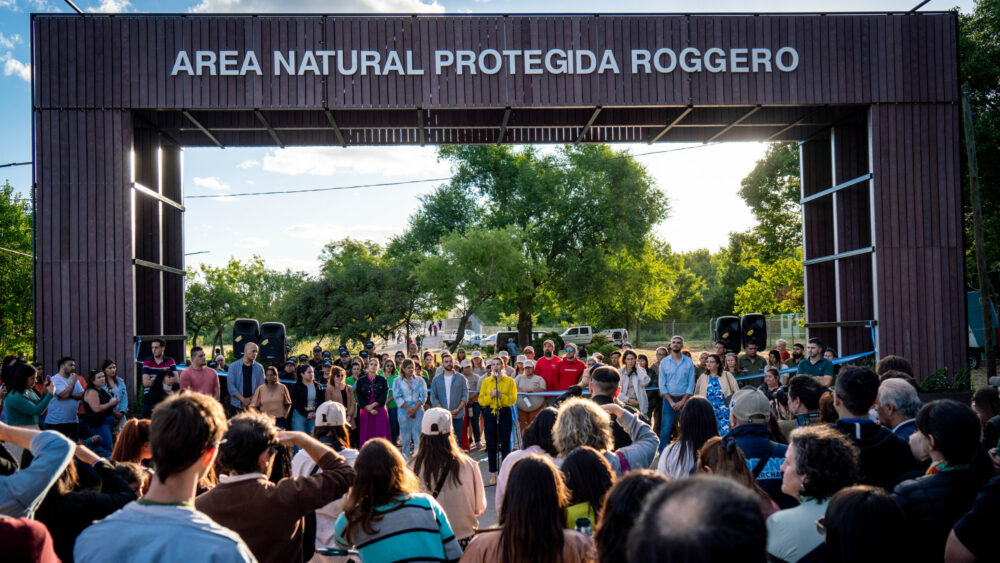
[497,394]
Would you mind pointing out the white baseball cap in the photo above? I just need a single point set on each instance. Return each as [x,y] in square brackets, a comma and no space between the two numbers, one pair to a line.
[331,413]
[436,421]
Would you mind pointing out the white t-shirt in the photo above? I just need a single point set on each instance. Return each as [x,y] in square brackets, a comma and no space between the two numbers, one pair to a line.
[447,390]
[63,411]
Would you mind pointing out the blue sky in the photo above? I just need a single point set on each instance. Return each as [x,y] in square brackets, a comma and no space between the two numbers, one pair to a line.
[289,231]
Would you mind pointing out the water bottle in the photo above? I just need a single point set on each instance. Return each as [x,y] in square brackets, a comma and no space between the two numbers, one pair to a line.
[583,526]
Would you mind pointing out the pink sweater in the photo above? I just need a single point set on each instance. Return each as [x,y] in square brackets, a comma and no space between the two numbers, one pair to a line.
[509,462]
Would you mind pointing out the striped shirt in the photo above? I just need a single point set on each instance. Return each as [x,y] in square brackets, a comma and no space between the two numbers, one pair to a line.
[414,528]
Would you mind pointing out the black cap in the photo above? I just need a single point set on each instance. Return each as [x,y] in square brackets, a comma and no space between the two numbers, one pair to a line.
[303,357]
[605,374]
[326,353]
[400,353]
[327,363]
[344,353]
[290,360]
[369,344]
[317,348]
[364,354]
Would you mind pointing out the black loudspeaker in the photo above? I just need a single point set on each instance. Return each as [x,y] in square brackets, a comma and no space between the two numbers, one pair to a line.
[244,330]
[728,330]
[754,330]
[272,343]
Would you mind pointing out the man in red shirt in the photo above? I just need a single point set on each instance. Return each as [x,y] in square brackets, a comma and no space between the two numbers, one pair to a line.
[567,373]
[198,377]
[545,366]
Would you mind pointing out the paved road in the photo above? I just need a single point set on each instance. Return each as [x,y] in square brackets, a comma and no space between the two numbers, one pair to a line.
[489,518]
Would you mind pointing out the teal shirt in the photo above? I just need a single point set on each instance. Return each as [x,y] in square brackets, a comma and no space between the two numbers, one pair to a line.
[822,367]
[24,409]
[414,528]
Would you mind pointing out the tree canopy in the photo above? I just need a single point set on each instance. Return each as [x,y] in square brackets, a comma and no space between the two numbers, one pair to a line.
[16,272]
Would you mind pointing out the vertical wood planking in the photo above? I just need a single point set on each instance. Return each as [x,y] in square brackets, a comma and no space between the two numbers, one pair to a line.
[80,310]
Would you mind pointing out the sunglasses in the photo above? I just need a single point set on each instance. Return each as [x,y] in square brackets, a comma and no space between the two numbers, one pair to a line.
[273,449]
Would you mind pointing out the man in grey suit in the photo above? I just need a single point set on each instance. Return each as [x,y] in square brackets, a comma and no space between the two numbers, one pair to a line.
[450,390]
[244,378]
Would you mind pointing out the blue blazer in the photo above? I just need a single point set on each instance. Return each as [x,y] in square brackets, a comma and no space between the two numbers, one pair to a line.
[235,381]
[459,392]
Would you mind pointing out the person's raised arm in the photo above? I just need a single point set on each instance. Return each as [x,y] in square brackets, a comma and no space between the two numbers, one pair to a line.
[22,492]
[644,441]
[315,491]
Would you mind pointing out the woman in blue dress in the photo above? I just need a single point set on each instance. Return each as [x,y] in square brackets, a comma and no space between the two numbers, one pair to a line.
[717,386]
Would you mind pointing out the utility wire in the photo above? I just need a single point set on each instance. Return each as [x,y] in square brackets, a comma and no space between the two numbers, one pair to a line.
[9,164]
[402,183]
[16,252]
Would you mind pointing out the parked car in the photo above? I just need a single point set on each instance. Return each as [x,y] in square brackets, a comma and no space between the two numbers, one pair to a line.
[490,340]
[579,335]
[450,336]
[616,336]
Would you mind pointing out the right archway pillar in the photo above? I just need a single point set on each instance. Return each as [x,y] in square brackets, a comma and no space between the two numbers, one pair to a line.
[883,236]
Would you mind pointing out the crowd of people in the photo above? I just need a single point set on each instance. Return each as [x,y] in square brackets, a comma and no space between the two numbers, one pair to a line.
[369,457]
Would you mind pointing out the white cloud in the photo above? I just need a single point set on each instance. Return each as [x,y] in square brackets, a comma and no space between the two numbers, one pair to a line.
[9,42]
[247,164]
[322,233]
[252,243]
[319,6]
[212,183]
[412,162]
[112,6]
[12,66]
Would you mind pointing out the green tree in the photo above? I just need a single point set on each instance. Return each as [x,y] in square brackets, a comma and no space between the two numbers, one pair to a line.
[775,288]
[568,205]
[642,284]
[473,268]
[17,332]
[979,48]
[359,294]
[772,191]
[216,296]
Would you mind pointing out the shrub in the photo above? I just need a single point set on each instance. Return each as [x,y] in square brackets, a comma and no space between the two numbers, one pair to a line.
[599,341]
[488,350]
[605,350]
[553,336]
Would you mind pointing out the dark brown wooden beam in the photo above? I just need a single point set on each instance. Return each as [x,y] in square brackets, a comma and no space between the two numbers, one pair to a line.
[503,125]
[198,124]
[671,125]
[420,126]
[336,128]
[733,124]
[274,134]
[586,128]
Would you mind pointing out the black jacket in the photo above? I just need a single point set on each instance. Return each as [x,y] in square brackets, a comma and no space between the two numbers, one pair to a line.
[68,515]
[363,389]
[300,396]
[619,434]
[884,458]
[934,503]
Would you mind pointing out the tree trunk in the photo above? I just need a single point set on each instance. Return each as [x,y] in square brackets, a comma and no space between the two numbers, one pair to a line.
[459,333]
[194,337]
[523,327]
[636,343]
